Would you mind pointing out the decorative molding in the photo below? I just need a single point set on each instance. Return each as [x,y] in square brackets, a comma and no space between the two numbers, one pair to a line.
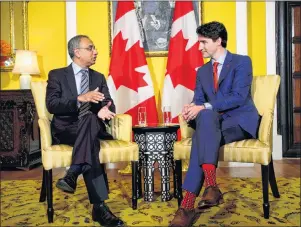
[71,24]
[270,38]
[25,25]
[12,26]
[13,15]
[271,68]
[241,28]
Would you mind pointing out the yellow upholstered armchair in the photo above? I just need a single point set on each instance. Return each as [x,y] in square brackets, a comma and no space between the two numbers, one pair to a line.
[54,156]
[264,92]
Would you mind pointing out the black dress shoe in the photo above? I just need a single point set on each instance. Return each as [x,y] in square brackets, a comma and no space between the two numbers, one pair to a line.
[102,214]
[68,182]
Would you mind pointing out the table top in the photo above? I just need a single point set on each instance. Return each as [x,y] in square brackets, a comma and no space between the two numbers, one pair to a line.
[157,127]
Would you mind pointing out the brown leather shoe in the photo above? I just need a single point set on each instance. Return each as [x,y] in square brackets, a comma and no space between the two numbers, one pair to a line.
[212,197]
[183,218]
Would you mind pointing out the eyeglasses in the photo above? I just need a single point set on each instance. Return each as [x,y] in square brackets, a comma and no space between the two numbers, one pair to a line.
[89,48]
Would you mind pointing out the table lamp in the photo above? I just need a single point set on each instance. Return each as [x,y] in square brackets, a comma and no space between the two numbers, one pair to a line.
[26,63]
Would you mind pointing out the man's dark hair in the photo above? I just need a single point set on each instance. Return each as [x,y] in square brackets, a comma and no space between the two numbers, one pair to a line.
[214,30]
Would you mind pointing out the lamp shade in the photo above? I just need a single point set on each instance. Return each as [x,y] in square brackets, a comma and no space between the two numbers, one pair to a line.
[26,62]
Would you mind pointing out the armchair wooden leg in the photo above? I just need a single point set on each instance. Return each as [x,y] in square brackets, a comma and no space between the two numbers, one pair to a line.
[50,210]
[43,188]
[175,185]
[134,184]
[178,173]
[265,190]
[272,180]
[139,183]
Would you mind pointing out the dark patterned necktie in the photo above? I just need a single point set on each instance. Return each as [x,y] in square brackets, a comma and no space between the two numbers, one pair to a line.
[84,88]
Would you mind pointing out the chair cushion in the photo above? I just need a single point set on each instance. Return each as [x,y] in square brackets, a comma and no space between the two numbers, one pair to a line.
[249,151]
[182,149]
[110,151]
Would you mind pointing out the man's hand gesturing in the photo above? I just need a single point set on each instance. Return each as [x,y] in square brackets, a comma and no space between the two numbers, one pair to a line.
[105,114]
[91,96]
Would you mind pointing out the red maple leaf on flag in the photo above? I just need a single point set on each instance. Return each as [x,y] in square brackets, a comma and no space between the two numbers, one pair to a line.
[123,71]
[182,63]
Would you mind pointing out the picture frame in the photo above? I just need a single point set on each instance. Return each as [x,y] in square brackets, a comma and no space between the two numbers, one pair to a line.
[14,31]
[155,20]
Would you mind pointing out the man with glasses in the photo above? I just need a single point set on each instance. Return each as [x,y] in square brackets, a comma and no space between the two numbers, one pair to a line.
[81,103]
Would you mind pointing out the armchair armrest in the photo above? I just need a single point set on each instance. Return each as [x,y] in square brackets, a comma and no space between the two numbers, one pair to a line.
[121,127]
[45,133]
[265,133]
[186,131]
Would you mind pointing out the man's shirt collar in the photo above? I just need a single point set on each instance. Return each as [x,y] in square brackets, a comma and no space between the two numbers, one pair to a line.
[221,59]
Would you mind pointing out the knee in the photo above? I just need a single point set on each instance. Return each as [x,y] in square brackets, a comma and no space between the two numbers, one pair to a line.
[205,114]
[207,118]
[86,168]
[90,117]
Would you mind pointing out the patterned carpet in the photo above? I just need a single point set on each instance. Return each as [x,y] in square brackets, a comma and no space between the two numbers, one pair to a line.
[242,207]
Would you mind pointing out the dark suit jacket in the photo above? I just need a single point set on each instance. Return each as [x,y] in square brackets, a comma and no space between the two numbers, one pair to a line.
[61,99]
[233,98]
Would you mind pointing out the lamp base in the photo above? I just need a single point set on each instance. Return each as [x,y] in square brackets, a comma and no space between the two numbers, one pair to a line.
[25,80]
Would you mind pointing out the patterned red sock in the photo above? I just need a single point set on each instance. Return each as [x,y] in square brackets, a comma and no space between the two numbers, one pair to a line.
[210,174]
[188,201]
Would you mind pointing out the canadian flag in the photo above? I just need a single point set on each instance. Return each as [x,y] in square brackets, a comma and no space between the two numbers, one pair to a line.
[129,78]
[184,59]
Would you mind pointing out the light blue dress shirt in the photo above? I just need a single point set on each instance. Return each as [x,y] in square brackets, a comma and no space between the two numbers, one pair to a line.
[221,61]
[78,76]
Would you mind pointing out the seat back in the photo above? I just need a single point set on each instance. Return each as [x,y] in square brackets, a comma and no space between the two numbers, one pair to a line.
[264,91]
[38,89]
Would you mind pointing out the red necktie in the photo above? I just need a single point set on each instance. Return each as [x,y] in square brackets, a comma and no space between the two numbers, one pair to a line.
[215,76]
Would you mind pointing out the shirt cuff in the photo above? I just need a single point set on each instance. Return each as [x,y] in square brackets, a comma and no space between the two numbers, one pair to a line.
[208,105]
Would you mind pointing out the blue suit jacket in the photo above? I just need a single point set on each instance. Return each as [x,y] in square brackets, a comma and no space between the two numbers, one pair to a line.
[233,98]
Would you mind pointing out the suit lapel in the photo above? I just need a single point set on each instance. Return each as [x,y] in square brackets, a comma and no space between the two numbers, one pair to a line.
[69,73]
[90,79]
[226,67]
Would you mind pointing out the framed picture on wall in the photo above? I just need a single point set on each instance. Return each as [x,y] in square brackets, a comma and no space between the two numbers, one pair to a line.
[155,20]
[14,32]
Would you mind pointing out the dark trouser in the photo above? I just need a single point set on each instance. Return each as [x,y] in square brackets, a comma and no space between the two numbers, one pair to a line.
[211,132]
[84,136]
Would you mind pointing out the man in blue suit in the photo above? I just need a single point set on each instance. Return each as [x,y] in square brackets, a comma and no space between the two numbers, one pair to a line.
[222,111]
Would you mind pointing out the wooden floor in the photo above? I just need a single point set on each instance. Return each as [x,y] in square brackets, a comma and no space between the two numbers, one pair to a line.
[283,168]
